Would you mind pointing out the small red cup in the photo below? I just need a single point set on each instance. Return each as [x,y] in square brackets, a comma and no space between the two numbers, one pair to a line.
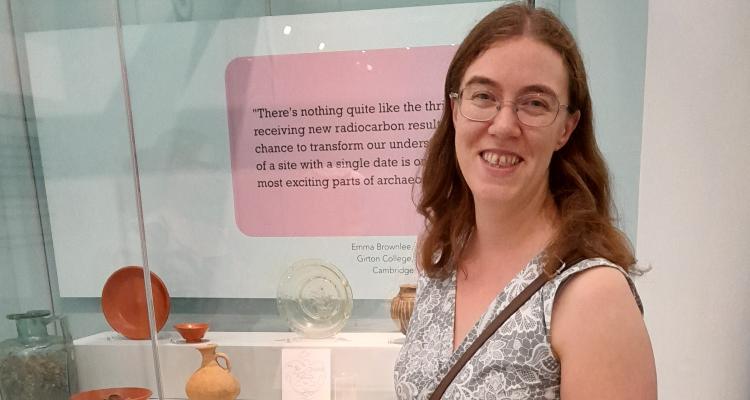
[192,332]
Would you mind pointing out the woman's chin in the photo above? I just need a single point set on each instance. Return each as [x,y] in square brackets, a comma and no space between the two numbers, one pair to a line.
[494,194]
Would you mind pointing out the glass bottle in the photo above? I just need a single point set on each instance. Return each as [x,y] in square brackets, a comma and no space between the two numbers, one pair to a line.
[37,365]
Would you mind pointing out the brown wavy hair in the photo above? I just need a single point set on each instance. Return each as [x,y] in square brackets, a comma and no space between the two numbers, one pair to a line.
[578,178]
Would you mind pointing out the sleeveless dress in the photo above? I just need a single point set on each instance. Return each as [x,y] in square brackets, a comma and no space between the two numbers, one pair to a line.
[516,363]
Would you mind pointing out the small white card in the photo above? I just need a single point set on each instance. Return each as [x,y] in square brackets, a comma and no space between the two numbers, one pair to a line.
[305,374]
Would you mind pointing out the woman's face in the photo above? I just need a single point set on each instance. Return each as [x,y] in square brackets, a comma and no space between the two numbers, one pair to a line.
[503,160]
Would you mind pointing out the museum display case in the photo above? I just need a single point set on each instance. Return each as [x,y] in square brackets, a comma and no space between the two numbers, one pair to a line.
[230,184]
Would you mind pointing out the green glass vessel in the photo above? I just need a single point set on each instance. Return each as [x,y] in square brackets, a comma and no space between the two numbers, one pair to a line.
[37,365]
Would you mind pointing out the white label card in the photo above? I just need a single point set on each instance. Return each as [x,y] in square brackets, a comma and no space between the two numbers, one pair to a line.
[305,374]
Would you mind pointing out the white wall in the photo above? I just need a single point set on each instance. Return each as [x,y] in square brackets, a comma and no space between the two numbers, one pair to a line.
[694,217]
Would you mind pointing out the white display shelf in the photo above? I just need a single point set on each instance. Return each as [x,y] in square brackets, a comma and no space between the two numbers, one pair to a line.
[361,363]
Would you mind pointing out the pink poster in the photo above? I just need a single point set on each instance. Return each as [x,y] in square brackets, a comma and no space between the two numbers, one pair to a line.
[329,144]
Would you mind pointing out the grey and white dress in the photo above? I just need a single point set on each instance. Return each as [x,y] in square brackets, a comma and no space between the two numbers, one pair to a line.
[515,363]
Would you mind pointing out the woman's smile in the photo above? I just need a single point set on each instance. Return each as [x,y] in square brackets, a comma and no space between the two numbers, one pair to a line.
[500,159]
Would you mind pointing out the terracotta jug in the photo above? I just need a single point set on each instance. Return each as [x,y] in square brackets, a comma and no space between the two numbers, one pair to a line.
[402,306]
[212,381]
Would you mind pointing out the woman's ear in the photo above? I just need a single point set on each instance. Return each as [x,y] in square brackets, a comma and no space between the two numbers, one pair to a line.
[454,109]
[570,125]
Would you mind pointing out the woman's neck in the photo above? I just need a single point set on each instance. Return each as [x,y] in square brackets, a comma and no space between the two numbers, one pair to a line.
[523,230]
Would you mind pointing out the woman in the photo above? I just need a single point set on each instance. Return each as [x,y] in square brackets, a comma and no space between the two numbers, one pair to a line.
[514,186]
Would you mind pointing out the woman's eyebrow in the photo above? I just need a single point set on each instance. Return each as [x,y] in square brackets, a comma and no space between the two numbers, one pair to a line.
[534,88]
[538,88]
[481,80]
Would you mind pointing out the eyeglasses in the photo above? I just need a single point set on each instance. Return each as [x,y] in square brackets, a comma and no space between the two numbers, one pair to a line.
[538,110]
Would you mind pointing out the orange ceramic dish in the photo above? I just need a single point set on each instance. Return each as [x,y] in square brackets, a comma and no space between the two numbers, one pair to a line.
[124,302]
[192,332]
[124,393]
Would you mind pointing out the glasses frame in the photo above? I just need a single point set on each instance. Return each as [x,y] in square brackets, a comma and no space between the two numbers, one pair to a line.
[458,97]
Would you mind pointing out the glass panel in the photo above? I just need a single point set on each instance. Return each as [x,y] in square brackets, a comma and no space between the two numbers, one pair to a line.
[616,75]
[213,87]
[69,217]
[35,355]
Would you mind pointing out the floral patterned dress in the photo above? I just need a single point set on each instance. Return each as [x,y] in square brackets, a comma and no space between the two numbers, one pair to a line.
[516,363]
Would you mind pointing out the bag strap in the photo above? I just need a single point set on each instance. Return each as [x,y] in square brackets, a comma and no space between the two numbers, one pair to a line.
[509,310]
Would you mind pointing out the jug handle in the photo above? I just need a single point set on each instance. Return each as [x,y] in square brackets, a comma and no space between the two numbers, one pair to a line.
[226,360]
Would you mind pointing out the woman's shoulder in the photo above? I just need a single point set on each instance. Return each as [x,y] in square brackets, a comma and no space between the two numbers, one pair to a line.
[595,275]
[581,283]
[585,290]
[597,281]
[597,327]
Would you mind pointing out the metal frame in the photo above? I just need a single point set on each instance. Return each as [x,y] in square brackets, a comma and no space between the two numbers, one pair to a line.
[138,199]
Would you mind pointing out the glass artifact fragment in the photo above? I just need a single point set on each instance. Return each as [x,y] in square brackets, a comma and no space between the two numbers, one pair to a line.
[315,298]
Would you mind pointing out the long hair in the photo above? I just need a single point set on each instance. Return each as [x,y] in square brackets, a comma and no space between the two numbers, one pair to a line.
[578,178]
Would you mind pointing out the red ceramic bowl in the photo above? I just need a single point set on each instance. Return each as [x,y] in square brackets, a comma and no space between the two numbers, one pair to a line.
[124,302]
[192,332]
[125,393]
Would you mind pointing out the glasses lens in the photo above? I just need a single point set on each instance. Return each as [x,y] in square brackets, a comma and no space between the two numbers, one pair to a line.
[478,103]
[537,109]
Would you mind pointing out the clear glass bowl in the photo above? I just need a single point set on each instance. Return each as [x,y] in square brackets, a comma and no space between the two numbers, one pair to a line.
[314,298]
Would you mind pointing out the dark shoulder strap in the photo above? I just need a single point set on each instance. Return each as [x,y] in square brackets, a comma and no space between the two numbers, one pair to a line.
[512,307]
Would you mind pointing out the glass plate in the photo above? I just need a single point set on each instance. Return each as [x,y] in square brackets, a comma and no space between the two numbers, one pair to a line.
[314,298]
